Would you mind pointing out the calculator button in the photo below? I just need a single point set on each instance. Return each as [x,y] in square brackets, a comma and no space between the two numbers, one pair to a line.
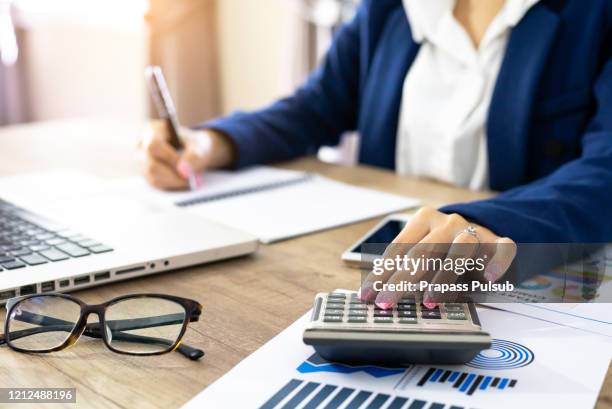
[336,295]
[358,313]
[383,320]
[431,315]
[383,313]
[361,320]
[334,312]
[406,313]
[454,307]
[332,319]
[424,308]
[408,299]
[335,306]
[406,307]
[354,307]
[407,320]
[456,316]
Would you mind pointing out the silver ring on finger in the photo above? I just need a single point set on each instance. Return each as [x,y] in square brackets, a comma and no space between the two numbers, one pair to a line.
[471,230]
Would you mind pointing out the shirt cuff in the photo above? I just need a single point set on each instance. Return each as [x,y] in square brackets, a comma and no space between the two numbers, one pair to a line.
[241,135]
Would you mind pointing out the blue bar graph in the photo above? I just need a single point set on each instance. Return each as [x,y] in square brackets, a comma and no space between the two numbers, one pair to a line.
[313,395]
[485,384]
[398,403]
[301,395]
[320,397]
[340,398]
[436,375]
[465,382]
[281,394]
[378,401]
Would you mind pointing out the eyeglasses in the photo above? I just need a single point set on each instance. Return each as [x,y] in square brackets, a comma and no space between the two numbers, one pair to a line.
[141,324]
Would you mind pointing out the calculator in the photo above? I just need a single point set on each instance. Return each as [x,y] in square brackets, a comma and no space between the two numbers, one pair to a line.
[345,329]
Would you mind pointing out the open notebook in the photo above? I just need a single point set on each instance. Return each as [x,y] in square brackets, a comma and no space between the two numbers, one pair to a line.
[275,204]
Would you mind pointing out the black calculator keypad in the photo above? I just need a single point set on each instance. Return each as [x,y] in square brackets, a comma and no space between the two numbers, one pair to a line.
[342,308]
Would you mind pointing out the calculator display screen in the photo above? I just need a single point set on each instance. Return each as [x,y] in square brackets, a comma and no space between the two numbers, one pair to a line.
[385,234]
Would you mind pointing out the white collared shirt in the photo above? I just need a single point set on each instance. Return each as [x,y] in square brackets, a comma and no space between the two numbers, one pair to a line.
[447,93]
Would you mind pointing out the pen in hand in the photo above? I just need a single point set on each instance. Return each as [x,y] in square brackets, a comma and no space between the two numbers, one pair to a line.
[165,108]
[194,179]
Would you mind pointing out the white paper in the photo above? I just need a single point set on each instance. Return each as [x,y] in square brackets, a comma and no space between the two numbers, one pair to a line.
[301,208]
[546,290]
[276,214]
[213,183]
[566,371]
[590,317]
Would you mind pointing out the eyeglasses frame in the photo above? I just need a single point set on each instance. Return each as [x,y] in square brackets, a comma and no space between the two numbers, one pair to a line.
[193,310]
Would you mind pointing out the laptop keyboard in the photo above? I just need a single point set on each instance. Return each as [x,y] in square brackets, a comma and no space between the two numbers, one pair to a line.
[27,239]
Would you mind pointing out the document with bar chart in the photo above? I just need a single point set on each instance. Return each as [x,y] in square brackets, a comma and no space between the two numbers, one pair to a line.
[531,364]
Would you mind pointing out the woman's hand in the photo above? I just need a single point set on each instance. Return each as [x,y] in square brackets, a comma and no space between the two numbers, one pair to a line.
[166,168]
[433,234]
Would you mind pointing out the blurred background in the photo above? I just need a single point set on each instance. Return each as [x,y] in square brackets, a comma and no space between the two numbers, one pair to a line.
[83,58]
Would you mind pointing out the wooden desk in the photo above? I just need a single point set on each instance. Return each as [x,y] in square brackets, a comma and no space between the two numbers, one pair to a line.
[277,283]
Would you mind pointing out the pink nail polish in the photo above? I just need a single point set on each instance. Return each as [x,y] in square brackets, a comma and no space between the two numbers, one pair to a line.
[185,170]
[384,305]
[429,303]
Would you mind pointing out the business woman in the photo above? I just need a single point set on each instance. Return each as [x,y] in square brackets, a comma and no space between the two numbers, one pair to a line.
[513,96]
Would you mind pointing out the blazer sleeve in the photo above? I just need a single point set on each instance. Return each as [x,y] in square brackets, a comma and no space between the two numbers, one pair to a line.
[315,115]
[572,204]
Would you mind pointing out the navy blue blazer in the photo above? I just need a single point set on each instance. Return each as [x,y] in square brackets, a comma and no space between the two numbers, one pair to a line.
[549,126]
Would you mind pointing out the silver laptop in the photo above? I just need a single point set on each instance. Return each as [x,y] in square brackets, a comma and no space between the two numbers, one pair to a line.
[58,242]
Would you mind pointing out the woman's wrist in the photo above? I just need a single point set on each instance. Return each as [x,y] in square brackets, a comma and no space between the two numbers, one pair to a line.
[223,150]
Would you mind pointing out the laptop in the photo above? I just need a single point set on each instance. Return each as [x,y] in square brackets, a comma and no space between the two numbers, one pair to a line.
[62,231]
